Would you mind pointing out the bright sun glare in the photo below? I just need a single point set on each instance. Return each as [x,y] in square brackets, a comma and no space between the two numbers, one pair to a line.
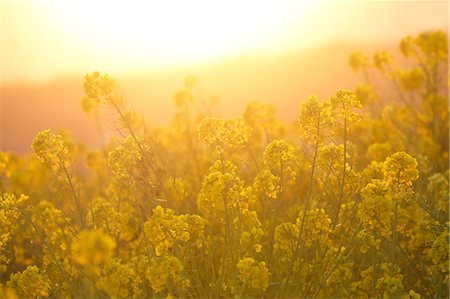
[165,33]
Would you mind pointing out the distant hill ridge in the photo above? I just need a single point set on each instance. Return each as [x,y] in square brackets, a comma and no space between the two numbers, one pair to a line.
[280,80]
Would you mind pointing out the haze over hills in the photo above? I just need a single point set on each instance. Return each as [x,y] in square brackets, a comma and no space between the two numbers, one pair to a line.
[279,80]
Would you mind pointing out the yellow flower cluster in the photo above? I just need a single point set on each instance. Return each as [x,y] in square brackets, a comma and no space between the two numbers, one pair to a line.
[124,280]
[284,246]
[93,248]
[4,160]
[438,188]
[223,189]
[367,94]
[9,217]
[54,226]
[257,114]
[219,132]
[384,279]
[438,253]
[115,222]
[164,230]
[433,43]
[375,210]
[358,61]
[134,174]
[97,88]
[30,283]
[163,272]
[318,226]
[253,273]
[277,152]
[379,151]
[401,170]
[313,116]
[346,105]
[251,231]
[341,276]
[312,229]
[124,160]
[279,158]
[51,149]
[267,183]
[381,60]
[411,79]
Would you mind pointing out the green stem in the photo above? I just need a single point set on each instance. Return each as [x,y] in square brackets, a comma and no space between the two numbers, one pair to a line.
[74,195]
[275,216]
[305,209]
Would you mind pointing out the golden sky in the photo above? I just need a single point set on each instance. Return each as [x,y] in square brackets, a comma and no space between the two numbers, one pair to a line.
[43,39]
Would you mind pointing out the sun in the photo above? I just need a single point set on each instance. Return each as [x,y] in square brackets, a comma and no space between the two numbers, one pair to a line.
[167,33]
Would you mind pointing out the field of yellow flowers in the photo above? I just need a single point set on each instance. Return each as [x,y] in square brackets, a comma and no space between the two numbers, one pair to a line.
[350,202]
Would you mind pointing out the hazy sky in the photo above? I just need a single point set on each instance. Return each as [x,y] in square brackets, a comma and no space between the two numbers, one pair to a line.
[41,39]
